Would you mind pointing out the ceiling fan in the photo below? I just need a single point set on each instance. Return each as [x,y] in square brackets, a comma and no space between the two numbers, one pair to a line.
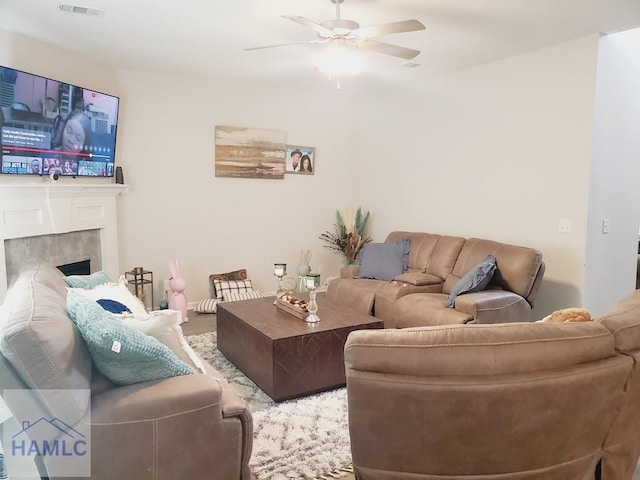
[347,33]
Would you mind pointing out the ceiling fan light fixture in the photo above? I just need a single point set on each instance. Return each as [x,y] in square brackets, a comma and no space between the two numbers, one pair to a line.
[339,61]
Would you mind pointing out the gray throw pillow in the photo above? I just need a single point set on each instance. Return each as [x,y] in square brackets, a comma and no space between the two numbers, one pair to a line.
[384,261]
[475,280]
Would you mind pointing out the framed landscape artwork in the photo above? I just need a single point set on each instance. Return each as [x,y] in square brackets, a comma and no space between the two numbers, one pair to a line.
[249,152]
[300,159]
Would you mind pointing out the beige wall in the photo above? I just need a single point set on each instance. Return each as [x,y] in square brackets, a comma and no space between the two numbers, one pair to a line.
[177,208]
[32,56]
[501,151]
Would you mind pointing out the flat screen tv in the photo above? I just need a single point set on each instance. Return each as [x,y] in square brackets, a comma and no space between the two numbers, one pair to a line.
[51,127]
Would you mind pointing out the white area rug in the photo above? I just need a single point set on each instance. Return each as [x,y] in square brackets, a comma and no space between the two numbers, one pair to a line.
[304,438]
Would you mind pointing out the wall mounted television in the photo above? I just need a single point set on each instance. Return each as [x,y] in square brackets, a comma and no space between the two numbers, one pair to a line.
[48,126]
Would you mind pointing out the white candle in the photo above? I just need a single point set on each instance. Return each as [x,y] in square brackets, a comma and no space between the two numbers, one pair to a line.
[280,269]
[313,281]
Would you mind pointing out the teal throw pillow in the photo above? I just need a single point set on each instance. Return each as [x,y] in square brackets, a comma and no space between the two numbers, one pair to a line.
[475,280]
[87,281]
[122,354]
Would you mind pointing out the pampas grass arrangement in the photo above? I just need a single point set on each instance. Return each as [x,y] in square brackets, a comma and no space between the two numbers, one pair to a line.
[349,234]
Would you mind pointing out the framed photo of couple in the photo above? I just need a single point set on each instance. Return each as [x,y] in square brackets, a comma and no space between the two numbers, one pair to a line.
[300,159]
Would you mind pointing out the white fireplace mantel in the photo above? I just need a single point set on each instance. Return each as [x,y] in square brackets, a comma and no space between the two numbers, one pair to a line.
[30,209]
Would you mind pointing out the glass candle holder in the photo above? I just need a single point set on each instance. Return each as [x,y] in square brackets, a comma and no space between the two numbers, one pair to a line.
[279,270]
[313,282]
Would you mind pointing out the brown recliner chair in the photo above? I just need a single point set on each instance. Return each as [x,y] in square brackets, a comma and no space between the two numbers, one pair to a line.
[622,445]
[507,401]
[186,427]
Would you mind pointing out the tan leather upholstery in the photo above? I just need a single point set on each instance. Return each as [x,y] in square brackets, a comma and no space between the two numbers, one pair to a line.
[436,264]
[622,446]
[517,267]
[356,294]
[192,426]
[508,401]
[430,253]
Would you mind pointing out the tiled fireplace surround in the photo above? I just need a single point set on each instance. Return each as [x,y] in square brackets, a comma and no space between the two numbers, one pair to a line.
[58,223]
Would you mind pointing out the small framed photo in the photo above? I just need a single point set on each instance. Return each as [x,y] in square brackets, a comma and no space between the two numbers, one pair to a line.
[300,159]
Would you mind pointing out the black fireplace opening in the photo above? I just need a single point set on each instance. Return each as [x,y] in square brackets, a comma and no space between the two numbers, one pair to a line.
[82,267]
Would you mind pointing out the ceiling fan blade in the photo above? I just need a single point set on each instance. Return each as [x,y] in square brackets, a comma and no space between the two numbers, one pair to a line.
[305,22]
[284,44]
[388,49]
[388,28]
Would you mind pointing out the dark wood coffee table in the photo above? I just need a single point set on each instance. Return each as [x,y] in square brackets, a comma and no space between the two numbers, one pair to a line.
[284,355]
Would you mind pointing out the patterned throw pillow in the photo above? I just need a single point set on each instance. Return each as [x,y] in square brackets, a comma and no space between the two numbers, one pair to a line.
[248,295]
[207,305]
[235,275]
[122,354]
[87,281]
[118,292]
[113,306]
[222,287]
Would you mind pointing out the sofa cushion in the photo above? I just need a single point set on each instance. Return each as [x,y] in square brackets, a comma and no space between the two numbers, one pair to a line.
[113,306]
[248,295]
[234,275]
[356,294]
[517,267]
[417,310]
[418,278]
[207,305]
[430,253]
[40,341]
[384,261]
[222,287]
[164,325]
[118,292]
[124,355]
[87,281]
[475,280]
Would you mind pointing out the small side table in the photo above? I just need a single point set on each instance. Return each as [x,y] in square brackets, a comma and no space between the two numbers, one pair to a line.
[138,278]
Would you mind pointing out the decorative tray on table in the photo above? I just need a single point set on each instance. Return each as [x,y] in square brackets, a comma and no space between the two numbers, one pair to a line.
[293,305]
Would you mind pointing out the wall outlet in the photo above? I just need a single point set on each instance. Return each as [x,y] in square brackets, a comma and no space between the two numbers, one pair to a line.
[564,225]
[605,226]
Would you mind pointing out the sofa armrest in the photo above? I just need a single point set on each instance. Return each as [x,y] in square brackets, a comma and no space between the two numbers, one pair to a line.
[494,306]
[151,400]
[350,271]
[175,428]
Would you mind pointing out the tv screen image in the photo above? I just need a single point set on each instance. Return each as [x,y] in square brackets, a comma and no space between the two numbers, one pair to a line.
[48,126]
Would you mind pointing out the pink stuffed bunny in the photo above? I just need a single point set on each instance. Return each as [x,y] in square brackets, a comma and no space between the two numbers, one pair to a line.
[177,300]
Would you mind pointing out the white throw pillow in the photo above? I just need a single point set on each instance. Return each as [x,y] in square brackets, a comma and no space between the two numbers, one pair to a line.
[118,292]
[164,325]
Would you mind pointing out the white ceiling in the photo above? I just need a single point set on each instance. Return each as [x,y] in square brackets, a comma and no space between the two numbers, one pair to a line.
[207,37]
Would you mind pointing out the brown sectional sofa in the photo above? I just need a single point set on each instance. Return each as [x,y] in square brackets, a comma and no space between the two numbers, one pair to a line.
[436,263]
[510,401]
[190,426]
